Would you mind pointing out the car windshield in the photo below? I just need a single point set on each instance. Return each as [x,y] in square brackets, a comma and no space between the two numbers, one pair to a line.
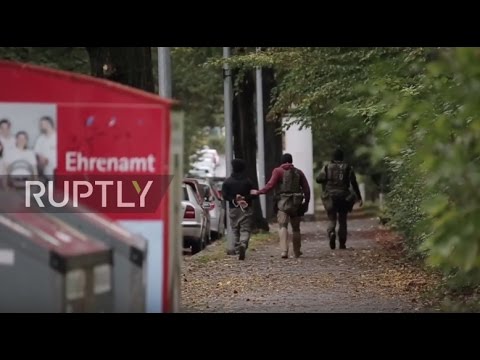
[185,194]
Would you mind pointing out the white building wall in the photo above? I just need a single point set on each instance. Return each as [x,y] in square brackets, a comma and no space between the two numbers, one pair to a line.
[299,143]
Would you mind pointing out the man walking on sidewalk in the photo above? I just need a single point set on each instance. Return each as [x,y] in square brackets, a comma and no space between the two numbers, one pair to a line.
[236,190]
[292,195]
[337,197]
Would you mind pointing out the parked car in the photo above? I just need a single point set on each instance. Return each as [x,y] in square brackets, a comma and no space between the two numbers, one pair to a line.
[212,154]
[200,192]
[204,161]
[196,218]
[217,208]
[201,171]
[207,153]
[217,183]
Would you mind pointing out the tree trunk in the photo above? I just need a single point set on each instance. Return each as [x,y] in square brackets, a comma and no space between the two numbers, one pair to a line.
[99,56]
[272,136]
[244,135]
[130,66]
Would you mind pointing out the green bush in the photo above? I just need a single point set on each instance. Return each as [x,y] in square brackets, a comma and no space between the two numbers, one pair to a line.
[434,142]
[403,203]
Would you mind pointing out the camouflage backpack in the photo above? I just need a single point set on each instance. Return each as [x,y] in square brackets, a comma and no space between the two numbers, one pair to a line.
[338,178]
[338,185]
[290,192]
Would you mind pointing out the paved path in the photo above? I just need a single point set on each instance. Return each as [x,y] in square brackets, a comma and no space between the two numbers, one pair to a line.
[370,276]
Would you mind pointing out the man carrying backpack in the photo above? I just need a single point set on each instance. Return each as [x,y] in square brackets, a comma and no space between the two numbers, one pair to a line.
[293,195]
[337,198]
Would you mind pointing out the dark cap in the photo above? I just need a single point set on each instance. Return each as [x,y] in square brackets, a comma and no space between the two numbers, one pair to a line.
[238,165]
[287,158]
[338,155]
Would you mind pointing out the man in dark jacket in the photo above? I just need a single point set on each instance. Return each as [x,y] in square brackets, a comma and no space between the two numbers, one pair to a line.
[292,194]
[236,191]
[337,198]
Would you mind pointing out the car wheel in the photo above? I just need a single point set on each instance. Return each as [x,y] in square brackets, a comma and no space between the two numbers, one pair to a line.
[197,246]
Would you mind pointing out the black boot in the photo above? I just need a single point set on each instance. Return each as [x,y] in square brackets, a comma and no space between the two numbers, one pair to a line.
[241,253]
[342,245]
[332,236]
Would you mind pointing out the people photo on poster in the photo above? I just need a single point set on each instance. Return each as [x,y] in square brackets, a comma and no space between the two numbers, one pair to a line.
[28,143]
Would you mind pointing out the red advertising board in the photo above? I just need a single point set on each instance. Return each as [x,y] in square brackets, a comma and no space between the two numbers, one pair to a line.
[97,129]
[116,142]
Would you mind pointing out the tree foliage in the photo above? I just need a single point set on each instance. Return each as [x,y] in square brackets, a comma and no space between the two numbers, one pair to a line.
[328,89]
[436,128]
[200,92]
[64,58]
[413,113]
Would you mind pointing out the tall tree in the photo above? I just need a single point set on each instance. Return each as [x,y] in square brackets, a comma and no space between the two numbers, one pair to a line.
[244,134]
[272,133]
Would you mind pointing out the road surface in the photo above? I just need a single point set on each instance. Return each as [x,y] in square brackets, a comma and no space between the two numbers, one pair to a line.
[370,276]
